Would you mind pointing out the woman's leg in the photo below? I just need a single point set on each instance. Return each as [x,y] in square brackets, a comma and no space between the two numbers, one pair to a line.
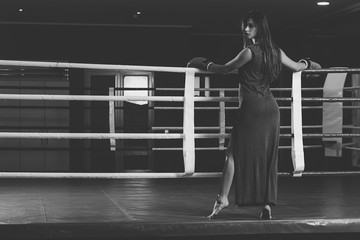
[227,178]
[222,200]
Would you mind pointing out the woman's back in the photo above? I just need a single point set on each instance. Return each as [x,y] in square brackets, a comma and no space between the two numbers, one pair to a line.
[252,76]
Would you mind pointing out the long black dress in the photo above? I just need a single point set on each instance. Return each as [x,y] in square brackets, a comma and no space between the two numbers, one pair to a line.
[255,137]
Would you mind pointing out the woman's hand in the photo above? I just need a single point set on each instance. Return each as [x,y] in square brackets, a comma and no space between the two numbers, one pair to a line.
[310,64]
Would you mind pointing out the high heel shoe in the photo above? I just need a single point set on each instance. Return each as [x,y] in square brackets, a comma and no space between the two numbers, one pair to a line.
[218,206]
[266,214]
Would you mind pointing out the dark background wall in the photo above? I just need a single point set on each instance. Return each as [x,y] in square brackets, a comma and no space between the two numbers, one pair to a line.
[161,46]
[158,45]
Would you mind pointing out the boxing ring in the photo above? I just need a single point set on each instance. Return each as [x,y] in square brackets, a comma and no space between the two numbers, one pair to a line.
[151,205]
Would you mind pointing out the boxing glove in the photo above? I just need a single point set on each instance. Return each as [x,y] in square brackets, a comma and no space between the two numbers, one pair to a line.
[199,62]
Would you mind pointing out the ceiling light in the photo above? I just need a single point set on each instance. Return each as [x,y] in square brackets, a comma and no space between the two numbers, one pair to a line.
[323,3]
[137,14]
[21,10]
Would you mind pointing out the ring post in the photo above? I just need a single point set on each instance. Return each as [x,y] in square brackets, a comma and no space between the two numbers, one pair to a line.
[188,122]
[297,148]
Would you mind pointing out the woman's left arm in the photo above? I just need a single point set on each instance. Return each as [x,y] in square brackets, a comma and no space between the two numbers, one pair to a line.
[241,59]
[298,66]
[295,66]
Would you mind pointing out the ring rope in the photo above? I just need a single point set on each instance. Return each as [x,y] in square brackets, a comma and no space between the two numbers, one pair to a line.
[330,99]
[96,66]
[91,135]
[321,135]
[141,68]
[224,148]
[332,70]
[62,135]
[322,173]
[352,148]
[134,175]
[229,127]
[153,98]
[111,98]
[88,97]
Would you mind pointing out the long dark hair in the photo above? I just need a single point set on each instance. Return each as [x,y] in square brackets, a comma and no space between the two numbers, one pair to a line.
[271,52]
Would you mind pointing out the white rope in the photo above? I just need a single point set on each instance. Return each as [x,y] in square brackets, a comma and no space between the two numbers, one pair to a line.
[140,175]
[224,148]
[196,108]
[197,148]
[96,66]
[128,175]
[91,135]
[89,97]
[302,89]
[199,89]
[216,99]
[111,98]
[212,135]
[61,135]
[180,128]
[352,148]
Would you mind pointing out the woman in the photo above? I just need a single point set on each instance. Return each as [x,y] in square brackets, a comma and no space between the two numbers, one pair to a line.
[252,154]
